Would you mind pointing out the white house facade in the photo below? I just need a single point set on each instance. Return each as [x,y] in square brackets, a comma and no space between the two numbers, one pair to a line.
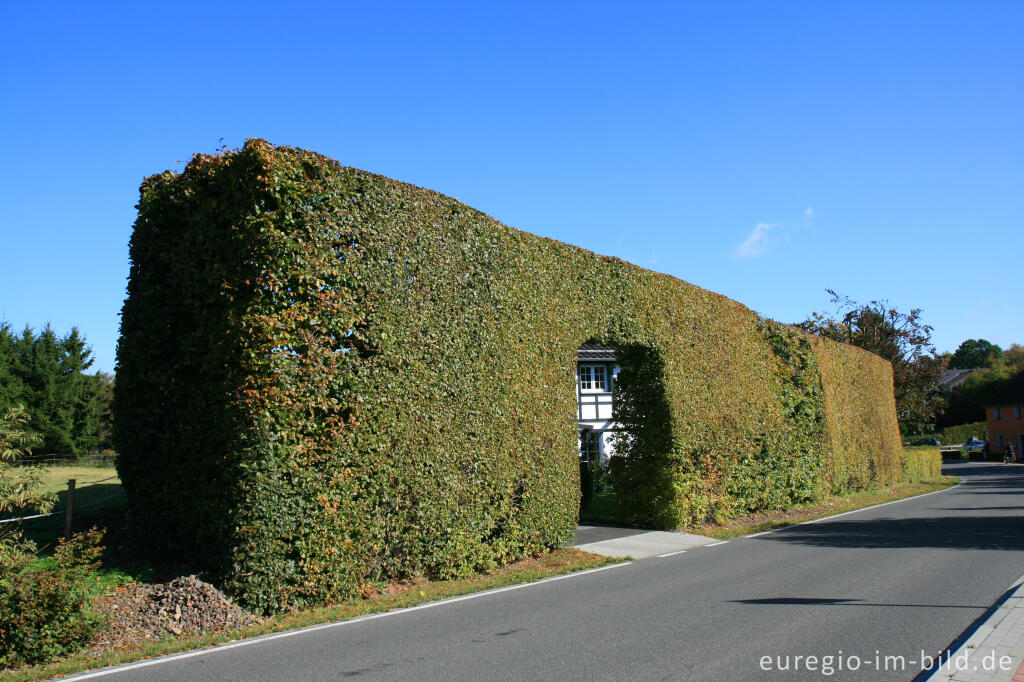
[596,373]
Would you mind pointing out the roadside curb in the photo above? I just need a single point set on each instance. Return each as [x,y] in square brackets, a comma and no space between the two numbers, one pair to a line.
[993,650]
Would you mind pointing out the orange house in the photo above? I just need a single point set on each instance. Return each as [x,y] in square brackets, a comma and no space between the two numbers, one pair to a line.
[1005,417]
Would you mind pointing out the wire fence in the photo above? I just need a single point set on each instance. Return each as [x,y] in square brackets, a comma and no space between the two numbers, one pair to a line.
[54,460]
[72,486]
[82,484]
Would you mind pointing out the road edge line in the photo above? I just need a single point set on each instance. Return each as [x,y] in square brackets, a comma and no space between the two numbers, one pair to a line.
[852,511]
[335,624]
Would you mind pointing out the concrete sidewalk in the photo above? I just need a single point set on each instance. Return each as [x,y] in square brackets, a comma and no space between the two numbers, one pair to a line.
[638,544]
[995,651]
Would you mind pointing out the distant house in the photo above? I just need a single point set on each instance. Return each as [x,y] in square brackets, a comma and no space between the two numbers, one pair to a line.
[596,372]
[1005,416]
[951,378]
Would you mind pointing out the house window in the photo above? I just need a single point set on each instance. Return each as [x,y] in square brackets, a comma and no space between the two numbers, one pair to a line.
[999,440]
[1016,412]
[995,413]
[590,447]
[593,378]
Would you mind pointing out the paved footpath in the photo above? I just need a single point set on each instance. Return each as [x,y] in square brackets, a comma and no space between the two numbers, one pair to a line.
[637,544]
[994,652]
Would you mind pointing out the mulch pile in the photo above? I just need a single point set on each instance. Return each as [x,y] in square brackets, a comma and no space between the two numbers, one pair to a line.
[184,606]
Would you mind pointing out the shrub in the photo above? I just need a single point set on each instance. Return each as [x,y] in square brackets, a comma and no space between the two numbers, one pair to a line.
[44,610]
[326,376]
[21,487]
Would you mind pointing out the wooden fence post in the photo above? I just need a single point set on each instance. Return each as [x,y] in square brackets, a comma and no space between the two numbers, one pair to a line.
[68,508]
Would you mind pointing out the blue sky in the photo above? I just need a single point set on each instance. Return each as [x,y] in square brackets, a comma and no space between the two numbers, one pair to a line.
[765,151]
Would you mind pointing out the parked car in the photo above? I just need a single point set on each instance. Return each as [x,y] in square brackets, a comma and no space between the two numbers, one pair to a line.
[927,441]
[973,445]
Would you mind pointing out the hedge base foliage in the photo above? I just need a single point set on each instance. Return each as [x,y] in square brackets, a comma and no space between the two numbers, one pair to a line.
[44,610]
[326,376]
[921,463]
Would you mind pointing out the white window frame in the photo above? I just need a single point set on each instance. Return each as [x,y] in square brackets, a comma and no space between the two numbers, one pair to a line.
[585,378]
[593,379]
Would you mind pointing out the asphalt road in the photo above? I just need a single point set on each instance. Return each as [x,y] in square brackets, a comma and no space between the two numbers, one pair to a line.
[896,581]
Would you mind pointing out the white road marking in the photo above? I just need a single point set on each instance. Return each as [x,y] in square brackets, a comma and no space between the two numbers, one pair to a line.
[852,511]
[325,626]
[668,554]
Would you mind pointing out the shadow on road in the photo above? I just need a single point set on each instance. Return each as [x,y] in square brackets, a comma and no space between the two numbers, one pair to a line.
[950,532]
[995,526]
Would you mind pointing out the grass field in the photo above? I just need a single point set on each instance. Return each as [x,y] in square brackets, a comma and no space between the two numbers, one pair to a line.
[57,477]
[98,497]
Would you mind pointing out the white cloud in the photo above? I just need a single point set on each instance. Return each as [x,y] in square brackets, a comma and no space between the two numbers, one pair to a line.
[809,213]
[757,242]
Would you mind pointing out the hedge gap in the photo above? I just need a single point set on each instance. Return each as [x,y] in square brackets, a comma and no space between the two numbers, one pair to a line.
[326,376]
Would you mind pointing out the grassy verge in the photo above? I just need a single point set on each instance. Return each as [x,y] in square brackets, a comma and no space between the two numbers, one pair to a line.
[602,509]
[755,523]
[374,600]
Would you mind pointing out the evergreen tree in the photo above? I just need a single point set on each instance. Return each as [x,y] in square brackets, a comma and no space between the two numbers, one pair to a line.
[11,388]
[50,404]
[46,374]
[81,392]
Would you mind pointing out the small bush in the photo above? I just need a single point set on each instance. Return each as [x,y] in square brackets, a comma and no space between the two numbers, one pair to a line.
[44,610]
[602,476]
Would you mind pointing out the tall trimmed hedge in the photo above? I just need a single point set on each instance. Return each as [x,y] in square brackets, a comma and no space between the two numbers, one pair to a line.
[326,377]
[921,463]
[862,439]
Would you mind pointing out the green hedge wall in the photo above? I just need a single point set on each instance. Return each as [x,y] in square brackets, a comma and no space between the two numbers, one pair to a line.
[326,377]
[862,440]
[955,435]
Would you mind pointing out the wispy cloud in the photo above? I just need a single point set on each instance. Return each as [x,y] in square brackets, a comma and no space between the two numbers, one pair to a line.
[809,213]
[758,242]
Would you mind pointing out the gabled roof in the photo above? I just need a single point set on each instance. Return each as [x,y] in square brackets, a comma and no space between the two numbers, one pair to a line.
[951,378]
[595,352]
[1012,393]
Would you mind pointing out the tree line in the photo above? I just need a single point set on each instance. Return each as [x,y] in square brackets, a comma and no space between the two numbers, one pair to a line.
[905,340]
[47,375]
[995,368]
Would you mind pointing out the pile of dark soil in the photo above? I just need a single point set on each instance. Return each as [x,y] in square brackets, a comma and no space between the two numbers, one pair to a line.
[181,607]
